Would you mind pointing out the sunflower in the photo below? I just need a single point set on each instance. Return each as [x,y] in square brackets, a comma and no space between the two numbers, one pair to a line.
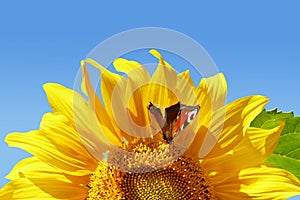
[109,146]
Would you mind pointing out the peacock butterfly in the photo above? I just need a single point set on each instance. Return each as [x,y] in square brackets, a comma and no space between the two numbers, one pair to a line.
[176,118]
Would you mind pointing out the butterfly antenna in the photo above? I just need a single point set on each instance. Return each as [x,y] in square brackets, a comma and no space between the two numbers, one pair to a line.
[150,104]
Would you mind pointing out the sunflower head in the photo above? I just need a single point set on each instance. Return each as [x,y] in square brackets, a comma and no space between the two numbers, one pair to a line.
[143,156]
[148,137]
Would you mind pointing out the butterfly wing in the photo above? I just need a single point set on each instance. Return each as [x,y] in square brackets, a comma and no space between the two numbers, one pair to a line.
[177,117]
[184,118]
[171,114]
[156,113]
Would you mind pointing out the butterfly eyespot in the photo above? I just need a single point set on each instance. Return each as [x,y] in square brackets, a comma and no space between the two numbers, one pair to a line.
[191,115]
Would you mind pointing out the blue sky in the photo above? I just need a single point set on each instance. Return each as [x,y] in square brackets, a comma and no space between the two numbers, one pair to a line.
[255,44]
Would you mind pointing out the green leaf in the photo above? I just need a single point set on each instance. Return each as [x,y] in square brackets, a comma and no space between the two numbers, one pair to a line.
[287,153]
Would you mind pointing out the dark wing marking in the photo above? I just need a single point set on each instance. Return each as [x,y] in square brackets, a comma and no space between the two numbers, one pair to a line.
[172,112]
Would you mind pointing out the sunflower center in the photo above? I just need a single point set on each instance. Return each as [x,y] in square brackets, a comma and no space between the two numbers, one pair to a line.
[183,178]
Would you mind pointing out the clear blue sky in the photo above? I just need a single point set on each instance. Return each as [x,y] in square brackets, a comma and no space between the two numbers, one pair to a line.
[255,44]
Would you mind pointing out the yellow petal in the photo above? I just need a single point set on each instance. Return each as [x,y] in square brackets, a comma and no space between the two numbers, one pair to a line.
[137,72]
[264,141]
[56,141]
[112,90]
[197,142]
[42,148]
[28,166]
[120,112]
[228,125]
[255,146]
[134,98]
[217,88]
[108,82]
[32,167]
[105,120]
[34,179]
[163,83]
[65,138]
[261,183]
[23,189]
[83,85]
[46,189]
[76,109]
[239,114]
[211,94]
[185,89]
[186,76]
[266,183]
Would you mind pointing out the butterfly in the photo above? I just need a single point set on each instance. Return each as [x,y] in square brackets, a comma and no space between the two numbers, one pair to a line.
[176,118]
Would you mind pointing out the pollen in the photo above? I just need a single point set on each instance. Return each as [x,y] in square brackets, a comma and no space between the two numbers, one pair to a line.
[174,177]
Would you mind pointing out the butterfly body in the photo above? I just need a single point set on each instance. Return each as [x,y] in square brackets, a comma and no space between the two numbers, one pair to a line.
[176,118]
